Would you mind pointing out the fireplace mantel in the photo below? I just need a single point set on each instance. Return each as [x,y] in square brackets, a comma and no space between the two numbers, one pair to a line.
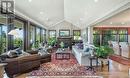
[66,40]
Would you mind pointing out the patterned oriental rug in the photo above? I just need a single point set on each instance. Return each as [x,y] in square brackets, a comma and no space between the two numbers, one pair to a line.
[120,59]
[65,68]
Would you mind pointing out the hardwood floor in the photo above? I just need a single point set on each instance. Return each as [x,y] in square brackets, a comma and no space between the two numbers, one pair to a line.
[116,71]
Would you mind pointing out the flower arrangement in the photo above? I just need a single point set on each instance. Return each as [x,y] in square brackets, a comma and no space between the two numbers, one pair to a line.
[62,45]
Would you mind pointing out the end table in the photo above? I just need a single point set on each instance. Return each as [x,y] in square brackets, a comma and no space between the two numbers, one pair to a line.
[2,69]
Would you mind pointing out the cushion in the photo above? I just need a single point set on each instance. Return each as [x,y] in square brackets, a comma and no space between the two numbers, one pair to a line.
[24,54]
[12,53]
[18,50]
[32,51]
[42,52]
[86,49]
[79,45]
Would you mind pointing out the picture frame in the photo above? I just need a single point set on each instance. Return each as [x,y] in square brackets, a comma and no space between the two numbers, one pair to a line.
[64,33]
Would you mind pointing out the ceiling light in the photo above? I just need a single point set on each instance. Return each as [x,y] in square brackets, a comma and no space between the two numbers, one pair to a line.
[30,0]
[111,22]
[122,23]
[47,19]
[95,0]
[41,12]
[81,19]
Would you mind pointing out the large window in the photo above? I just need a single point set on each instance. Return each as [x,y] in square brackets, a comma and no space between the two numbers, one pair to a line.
[102,36]
[18,38]
[76,34]
[96,38]
[52,33]
[31,36]
[26,34]
[3,34]
[3,38]
[123,35]
[108,35]
[43,35]
[38,37]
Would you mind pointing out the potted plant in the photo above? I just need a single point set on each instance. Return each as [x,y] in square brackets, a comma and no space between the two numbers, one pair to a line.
[104,51]
[62,45]
[52,41]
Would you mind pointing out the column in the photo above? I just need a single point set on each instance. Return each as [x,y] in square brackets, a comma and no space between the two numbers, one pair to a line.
[90,34]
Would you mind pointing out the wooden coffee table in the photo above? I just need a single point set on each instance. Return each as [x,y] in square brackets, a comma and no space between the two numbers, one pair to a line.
[62,54]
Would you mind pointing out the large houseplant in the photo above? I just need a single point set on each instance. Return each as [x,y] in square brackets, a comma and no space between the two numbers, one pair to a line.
[52,41]
[104,51]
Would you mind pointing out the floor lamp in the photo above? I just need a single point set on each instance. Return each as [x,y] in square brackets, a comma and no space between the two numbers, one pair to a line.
[15,33]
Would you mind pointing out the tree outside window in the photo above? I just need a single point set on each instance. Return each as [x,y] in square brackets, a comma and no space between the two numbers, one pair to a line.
[76,35]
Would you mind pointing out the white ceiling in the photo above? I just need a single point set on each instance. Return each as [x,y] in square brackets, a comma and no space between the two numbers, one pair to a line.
[120,19]
[81,13]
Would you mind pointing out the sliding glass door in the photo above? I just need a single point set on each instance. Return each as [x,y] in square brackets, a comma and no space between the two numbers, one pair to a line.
[31,36]
[3,38]
[102,36]
[43,35]
[19,37]
[38,37]
[3,34]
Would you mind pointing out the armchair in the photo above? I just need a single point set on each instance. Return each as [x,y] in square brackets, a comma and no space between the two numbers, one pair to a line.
[125,50]
[116,48]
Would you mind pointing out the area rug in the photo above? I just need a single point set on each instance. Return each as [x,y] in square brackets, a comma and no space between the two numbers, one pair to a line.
[120,59]
[62,69]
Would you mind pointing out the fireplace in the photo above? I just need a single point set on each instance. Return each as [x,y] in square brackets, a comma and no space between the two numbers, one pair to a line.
[66,40]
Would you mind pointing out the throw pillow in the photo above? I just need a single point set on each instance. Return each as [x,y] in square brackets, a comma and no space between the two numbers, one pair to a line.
[41,53]
[12,54]
[80,45]
[18,51]
[86,49]
[24,54]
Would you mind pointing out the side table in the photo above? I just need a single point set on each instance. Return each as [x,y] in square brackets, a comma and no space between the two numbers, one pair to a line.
[2,69]
[91,58]
[104,61]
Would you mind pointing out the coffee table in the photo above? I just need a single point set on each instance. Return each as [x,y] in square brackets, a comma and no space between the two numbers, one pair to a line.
[62,54]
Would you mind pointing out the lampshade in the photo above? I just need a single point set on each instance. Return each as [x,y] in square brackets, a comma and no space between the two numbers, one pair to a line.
[14,32]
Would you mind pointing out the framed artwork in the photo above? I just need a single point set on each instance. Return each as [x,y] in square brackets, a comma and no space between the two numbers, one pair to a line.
[64,33]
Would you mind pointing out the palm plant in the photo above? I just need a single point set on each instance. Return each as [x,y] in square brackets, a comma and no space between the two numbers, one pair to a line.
[104,51]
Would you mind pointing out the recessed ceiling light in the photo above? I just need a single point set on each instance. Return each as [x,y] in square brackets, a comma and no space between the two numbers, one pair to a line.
[95,0]
[47,19]
[111,22]
[30,0]
[122,23]
[81,19]
[41,12]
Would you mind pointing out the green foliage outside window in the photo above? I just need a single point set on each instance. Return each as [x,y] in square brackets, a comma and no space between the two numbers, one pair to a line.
[101,37]
[76,34]
[3,37]
[18,42]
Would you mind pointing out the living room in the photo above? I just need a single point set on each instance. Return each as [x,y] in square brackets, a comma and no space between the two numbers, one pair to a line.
[64,39]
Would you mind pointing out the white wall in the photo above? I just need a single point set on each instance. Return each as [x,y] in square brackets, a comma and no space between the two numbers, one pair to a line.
[64,25]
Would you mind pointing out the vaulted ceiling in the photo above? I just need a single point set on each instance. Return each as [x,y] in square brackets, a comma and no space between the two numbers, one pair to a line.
[81,13]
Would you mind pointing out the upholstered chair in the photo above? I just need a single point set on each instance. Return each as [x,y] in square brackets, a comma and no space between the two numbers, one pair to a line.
[125,50]
[116,48]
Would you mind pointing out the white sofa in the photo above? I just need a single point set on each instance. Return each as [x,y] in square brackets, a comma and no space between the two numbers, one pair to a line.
[82,57]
